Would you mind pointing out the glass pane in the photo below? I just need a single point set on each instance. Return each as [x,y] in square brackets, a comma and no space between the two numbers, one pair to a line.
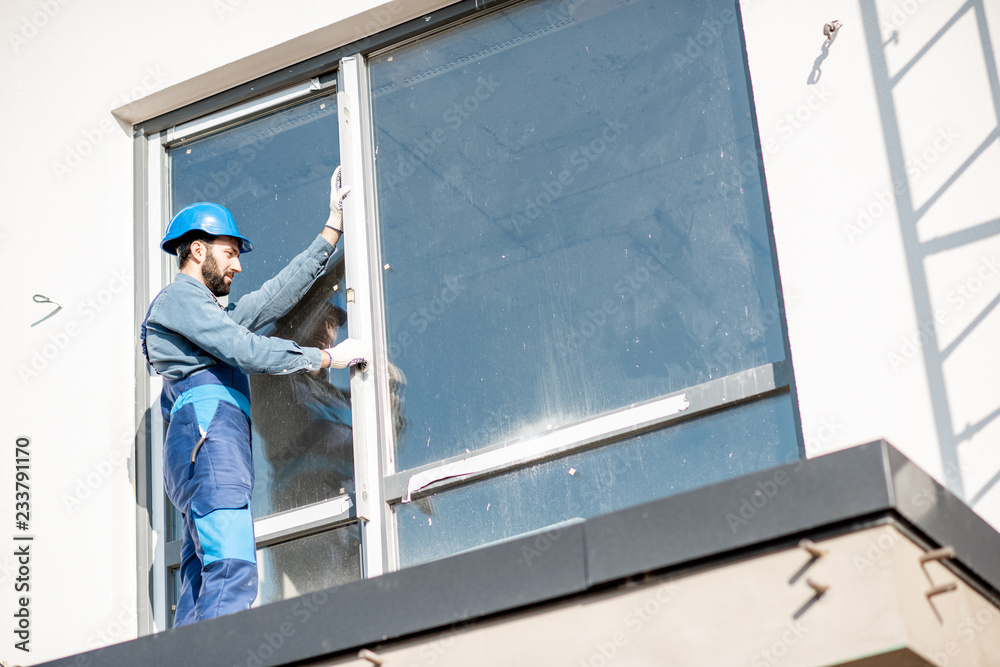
[299,566]
[571,217]
[273,173]
[303,440]
[653,465]
[173,593]
[308,564]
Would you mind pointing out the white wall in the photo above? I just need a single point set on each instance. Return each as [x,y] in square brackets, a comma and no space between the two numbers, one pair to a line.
[851,292]
[66,233]
[869,317]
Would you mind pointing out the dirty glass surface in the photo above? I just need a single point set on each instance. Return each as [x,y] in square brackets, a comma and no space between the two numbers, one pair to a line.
[571,217]
[305,565]
[654,465]
[309,564]
[273,173]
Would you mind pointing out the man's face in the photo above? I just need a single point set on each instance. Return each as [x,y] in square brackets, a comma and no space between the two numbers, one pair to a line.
[222,262]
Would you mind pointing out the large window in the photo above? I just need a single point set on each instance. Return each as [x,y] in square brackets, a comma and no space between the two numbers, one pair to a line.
[558,245]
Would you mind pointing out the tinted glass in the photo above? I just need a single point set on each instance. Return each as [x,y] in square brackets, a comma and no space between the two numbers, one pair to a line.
[273,173]
[653,465]
[571,217]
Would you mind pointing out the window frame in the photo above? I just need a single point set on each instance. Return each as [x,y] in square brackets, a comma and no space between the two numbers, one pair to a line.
[379,485]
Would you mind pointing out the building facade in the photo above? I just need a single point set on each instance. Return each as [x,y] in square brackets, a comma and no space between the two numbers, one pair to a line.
[608,252]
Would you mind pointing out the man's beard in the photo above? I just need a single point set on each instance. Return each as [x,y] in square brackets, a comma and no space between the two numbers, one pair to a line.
[214,278]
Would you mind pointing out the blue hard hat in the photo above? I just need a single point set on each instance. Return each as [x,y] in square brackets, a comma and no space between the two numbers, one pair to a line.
[205,217]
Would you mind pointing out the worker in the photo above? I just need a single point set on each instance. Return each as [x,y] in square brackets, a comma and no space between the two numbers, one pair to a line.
[204,352]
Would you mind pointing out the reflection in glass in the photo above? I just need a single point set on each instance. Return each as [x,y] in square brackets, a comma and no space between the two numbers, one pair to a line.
[304,420]
[571,215]
[273,173]
[308,564]
[654,465]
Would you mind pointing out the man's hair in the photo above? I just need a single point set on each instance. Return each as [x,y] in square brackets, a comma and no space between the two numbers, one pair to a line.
[184,245]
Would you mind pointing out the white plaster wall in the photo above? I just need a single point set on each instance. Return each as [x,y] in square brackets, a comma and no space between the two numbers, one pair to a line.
[66,232]
[876,330]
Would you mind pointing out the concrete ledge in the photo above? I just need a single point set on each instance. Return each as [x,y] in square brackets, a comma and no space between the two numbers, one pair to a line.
[838,494]
[760,611]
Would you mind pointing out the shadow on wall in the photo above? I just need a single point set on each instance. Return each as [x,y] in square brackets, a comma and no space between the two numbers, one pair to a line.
[949,222]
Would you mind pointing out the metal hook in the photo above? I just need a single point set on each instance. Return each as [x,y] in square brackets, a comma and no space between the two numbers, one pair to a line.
[831,28]
[811,547]
[41,298]
[938,554]
[819,589]
[370,656]
[943,588]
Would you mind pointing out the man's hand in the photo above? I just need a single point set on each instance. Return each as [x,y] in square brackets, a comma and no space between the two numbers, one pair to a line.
[338,192]
[351,352]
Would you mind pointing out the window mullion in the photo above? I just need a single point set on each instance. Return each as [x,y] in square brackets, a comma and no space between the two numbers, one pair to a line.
[360,308]
[156,280]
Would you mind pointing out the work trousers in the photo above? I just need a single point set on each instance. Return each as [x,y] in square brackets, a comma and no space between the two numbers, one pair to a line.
[218,557]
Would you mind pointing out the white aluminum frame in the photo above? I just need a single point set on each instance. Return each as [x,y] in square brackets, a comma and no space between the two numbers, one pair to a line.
[358,220]
[221,119]
[157,278]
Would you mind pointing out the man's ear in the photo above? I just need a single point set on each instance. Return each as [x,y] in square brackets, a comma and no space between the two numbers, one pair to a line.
[198,250]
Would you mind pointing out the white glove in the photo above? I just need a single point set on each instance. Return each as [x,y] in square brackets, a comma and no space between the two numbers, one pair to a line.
[338,192]
[350,352]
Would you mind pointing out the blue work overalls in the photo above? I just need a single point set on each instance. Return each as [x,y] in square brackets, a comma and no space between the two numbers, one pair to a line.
[208,474]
